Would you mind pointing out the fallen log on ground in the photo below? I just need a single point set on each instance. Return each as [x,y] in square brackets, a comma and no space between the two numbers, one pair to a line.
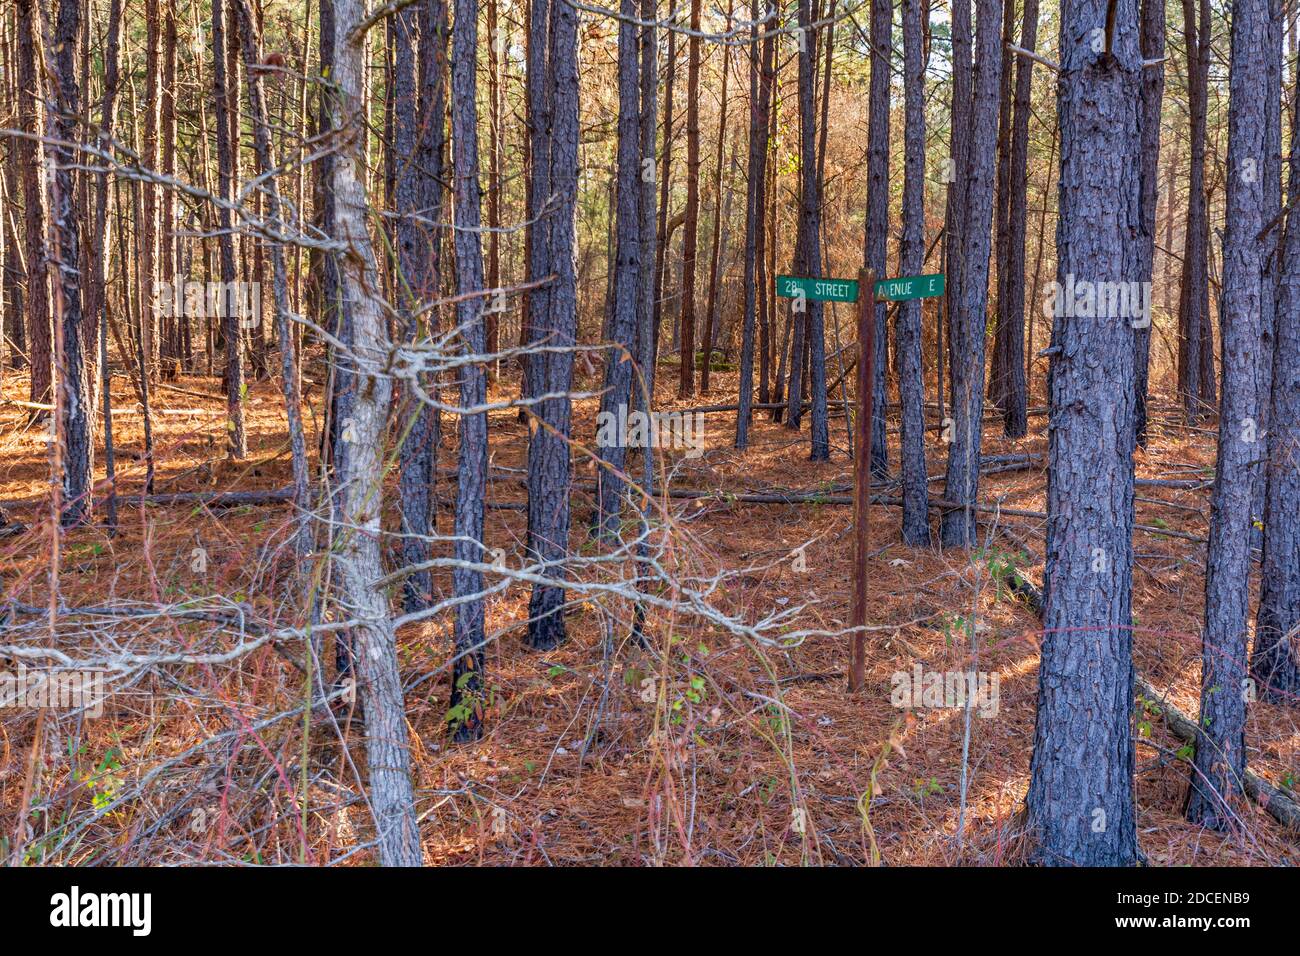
[1189,483]
[213,499]
[940,504]
[1272,800]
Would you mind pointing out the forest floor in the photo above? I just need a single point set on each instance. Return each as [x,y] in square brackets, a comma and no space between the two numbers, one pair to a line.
[769,766]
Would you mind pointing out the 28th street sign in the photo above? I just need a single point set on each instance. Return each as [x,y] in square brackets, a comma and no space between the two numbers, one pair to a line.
[846,290]
[909,287]
[817,290]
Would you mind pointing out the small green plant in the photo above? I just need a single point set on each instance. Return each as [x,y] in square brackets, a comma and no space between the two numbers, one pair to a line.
[1146,710]
[1004,568]
[104,781]
[954,626]
[926,788]
[472,703]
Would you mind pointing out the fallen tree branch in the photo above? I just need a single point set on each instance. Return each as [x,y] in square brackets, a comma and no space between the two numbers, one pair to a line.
[1281,806]
[1272,800]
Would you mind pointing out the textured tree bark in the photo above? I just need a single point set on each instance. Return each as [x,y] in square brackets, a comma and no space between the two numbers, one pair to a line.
[1221,751]
[796,326]
[359,467]
[63,106]
[955,177]
[548,447]
[1275,660]
[1011,286]
[40,333]
[496,47]
[665,182]
[467,583]
[876,250]
[236,439]
[1175,161]
[1193,308]
[969,317]
[290,386]
[1271,164]
[810,240]
[620,356]
[760,91]
[710,311]
[643,388]
[1153,88]
[338,386]
[907,335]
[1207,378]
[131,344]
[1002,217]
[690,235]
[1081,805]
[767,335]
[540,215]
[148,227]
[96,289]
[169,340]
[419,132]
[15,274]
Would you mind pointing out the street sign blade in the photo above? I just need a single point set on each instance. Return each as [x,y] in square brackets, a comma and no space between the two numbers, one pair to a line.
[910,287]
[817,290]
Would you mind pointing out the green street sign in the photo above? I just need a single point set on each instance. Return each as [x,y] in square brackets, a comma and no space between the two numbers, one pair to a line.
[909,287]
[819,290]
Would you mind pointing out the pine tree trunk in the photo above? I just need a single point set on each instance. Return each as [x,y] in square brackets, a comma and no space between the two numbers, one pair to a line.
[970,309]
[419,91]
[1011,287]
[955,177]
[1080,801]
[810,240]
[236,440]
[690,236]
[1275,659]
[907,348]
[760,89]
[467,582]
[148,228]
[63,106]
[40,332]
[96,292]
[555,156]
[1271,164]
[1153,88]
[1221,751]
[290,386]
[997,379]
[1193,320]
[496,47]
[710,312]
[643,388]
[169,342]
[665,183]
[616,393]
[876,250]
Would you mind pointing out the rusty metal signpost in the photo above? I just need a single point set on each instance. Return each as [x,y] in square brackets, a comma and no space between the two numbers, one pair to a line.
[864,290]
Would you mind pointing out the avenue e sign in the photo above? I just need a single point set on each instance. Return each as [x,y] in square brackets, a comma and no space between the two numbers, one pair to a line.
[818,290]
[909,287]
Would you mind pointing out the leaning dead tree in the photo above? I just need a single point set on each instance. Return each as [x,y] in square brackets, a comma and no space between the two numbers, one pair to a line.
[359,469]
